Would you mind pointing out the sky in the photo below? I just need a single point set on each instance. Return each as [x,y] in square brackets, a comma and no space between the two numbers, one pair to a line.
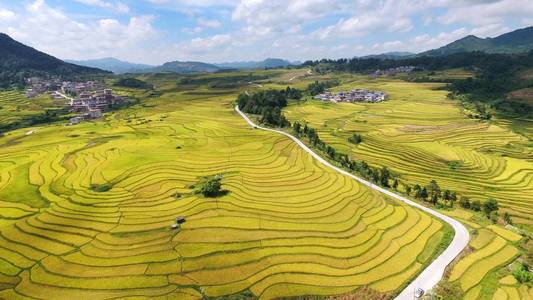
[157,31]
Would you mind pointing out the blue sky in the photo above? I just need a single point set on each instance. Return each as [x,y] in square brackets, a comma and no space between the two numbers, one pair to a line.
[156,31]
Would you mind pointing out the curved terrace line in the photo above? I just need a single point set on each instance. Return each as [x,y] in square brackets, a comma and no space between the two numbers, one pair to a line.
[432,274]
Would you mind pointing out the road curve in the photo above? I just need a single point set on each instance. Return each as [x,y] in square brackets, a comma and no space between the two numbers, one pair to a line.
[431,275]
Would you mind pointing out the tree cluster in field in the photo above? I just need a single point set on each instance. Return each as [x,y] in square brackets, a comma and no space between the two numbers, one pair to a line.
[489,207]
[317,87]
[268,104]
[133,83]
[212,187]
[355,139]
[432,192]
[523,274]
[499,74]
[293,93]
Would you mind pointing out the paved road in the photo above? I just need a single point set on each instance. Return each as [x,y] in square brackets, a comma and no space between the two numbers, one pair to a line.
[433,273]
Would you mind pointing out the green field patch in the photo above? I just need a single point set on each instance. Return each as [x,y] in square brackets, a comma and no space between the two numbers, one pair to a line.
[20,190]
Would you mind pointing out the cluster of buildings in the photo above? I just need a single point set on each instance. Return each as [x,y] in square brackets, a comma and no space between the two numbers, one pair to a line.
[90,105]
[88,99]
[394,71]
[37,86]
[76,88]
[357,95]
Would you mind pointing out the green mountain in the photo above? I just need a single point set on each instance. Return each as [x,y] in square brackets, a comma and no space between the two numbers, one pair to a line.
[184,67]
[112,64]
[518,41]
[18,61]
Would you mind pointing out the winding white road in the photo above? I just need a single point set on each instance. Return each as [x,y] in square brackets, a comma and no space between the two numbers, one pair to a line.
[434,272]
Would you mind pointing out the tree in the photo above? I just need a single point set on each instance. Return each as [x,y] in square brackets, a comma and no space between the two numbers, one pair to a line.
[384,177]
[355,139]
[330,151]
[212,187]
[476,205]
[507,218]
[453,198]
[395,184]
[407,189]
[434,199]
[297,127]
[446,195]
[489,206]
[434,190]
[423,194]
[465,202]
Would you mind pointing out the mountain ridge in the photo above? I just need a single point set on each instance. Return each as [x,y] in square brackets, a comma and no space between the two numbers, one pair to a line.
[19,61]
[516,41]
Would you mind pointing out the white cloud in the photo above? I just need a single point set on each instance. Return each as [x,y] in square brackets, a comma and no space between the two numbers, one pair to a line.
[490,30]
[202,24]
[527,21]
[6,15]
[116,6]
[194,3]
[208,23]
[265,17]
[217,42]
[486,12]
[52,31]
[370,16]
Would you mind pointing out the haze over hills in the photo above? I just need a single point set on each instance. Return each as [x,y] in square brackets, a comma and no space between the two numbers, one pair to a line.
[18,61]
[267,63]
[120,67]
[518,41]
[390,55]
[184,67]
[112,64]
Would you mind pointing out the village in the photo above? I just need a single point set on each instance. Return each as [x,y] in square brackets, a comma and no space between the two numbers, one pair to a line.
[393,71]
[88,99]
[357,95]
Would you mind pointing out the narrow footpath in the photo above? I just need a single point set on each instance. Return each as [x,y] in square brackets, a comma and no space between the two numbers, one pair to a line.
[433,273]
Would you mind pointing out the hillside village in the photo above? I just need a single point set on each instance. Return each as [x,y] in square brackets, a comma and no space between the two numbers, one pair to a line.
[357,95]
[394,71]
[88,99]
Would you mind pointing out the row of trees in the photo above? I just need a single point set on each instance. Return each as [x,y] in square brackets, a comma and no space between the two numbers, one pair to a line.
[432,192]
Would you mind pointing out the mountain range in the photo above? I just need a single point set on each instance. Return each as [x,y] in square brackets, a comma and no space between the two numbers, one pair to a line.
[18,61]
[119,67]
[267,63]
[112,65]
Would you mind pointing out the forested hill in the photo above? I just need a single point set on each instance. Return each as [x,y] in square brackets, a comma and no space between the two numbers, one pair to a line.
[18,61]
[518,41]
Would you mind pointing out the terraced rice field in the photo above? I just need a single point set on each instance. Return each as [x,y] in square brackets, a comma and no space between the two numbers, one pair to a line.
[287,227]
[481,274]
[14,106]
[422,136]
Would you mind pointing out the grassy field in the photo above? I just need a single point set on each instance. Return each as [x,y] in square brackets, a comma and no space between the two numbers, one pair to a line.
[421,135]
[287,227]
